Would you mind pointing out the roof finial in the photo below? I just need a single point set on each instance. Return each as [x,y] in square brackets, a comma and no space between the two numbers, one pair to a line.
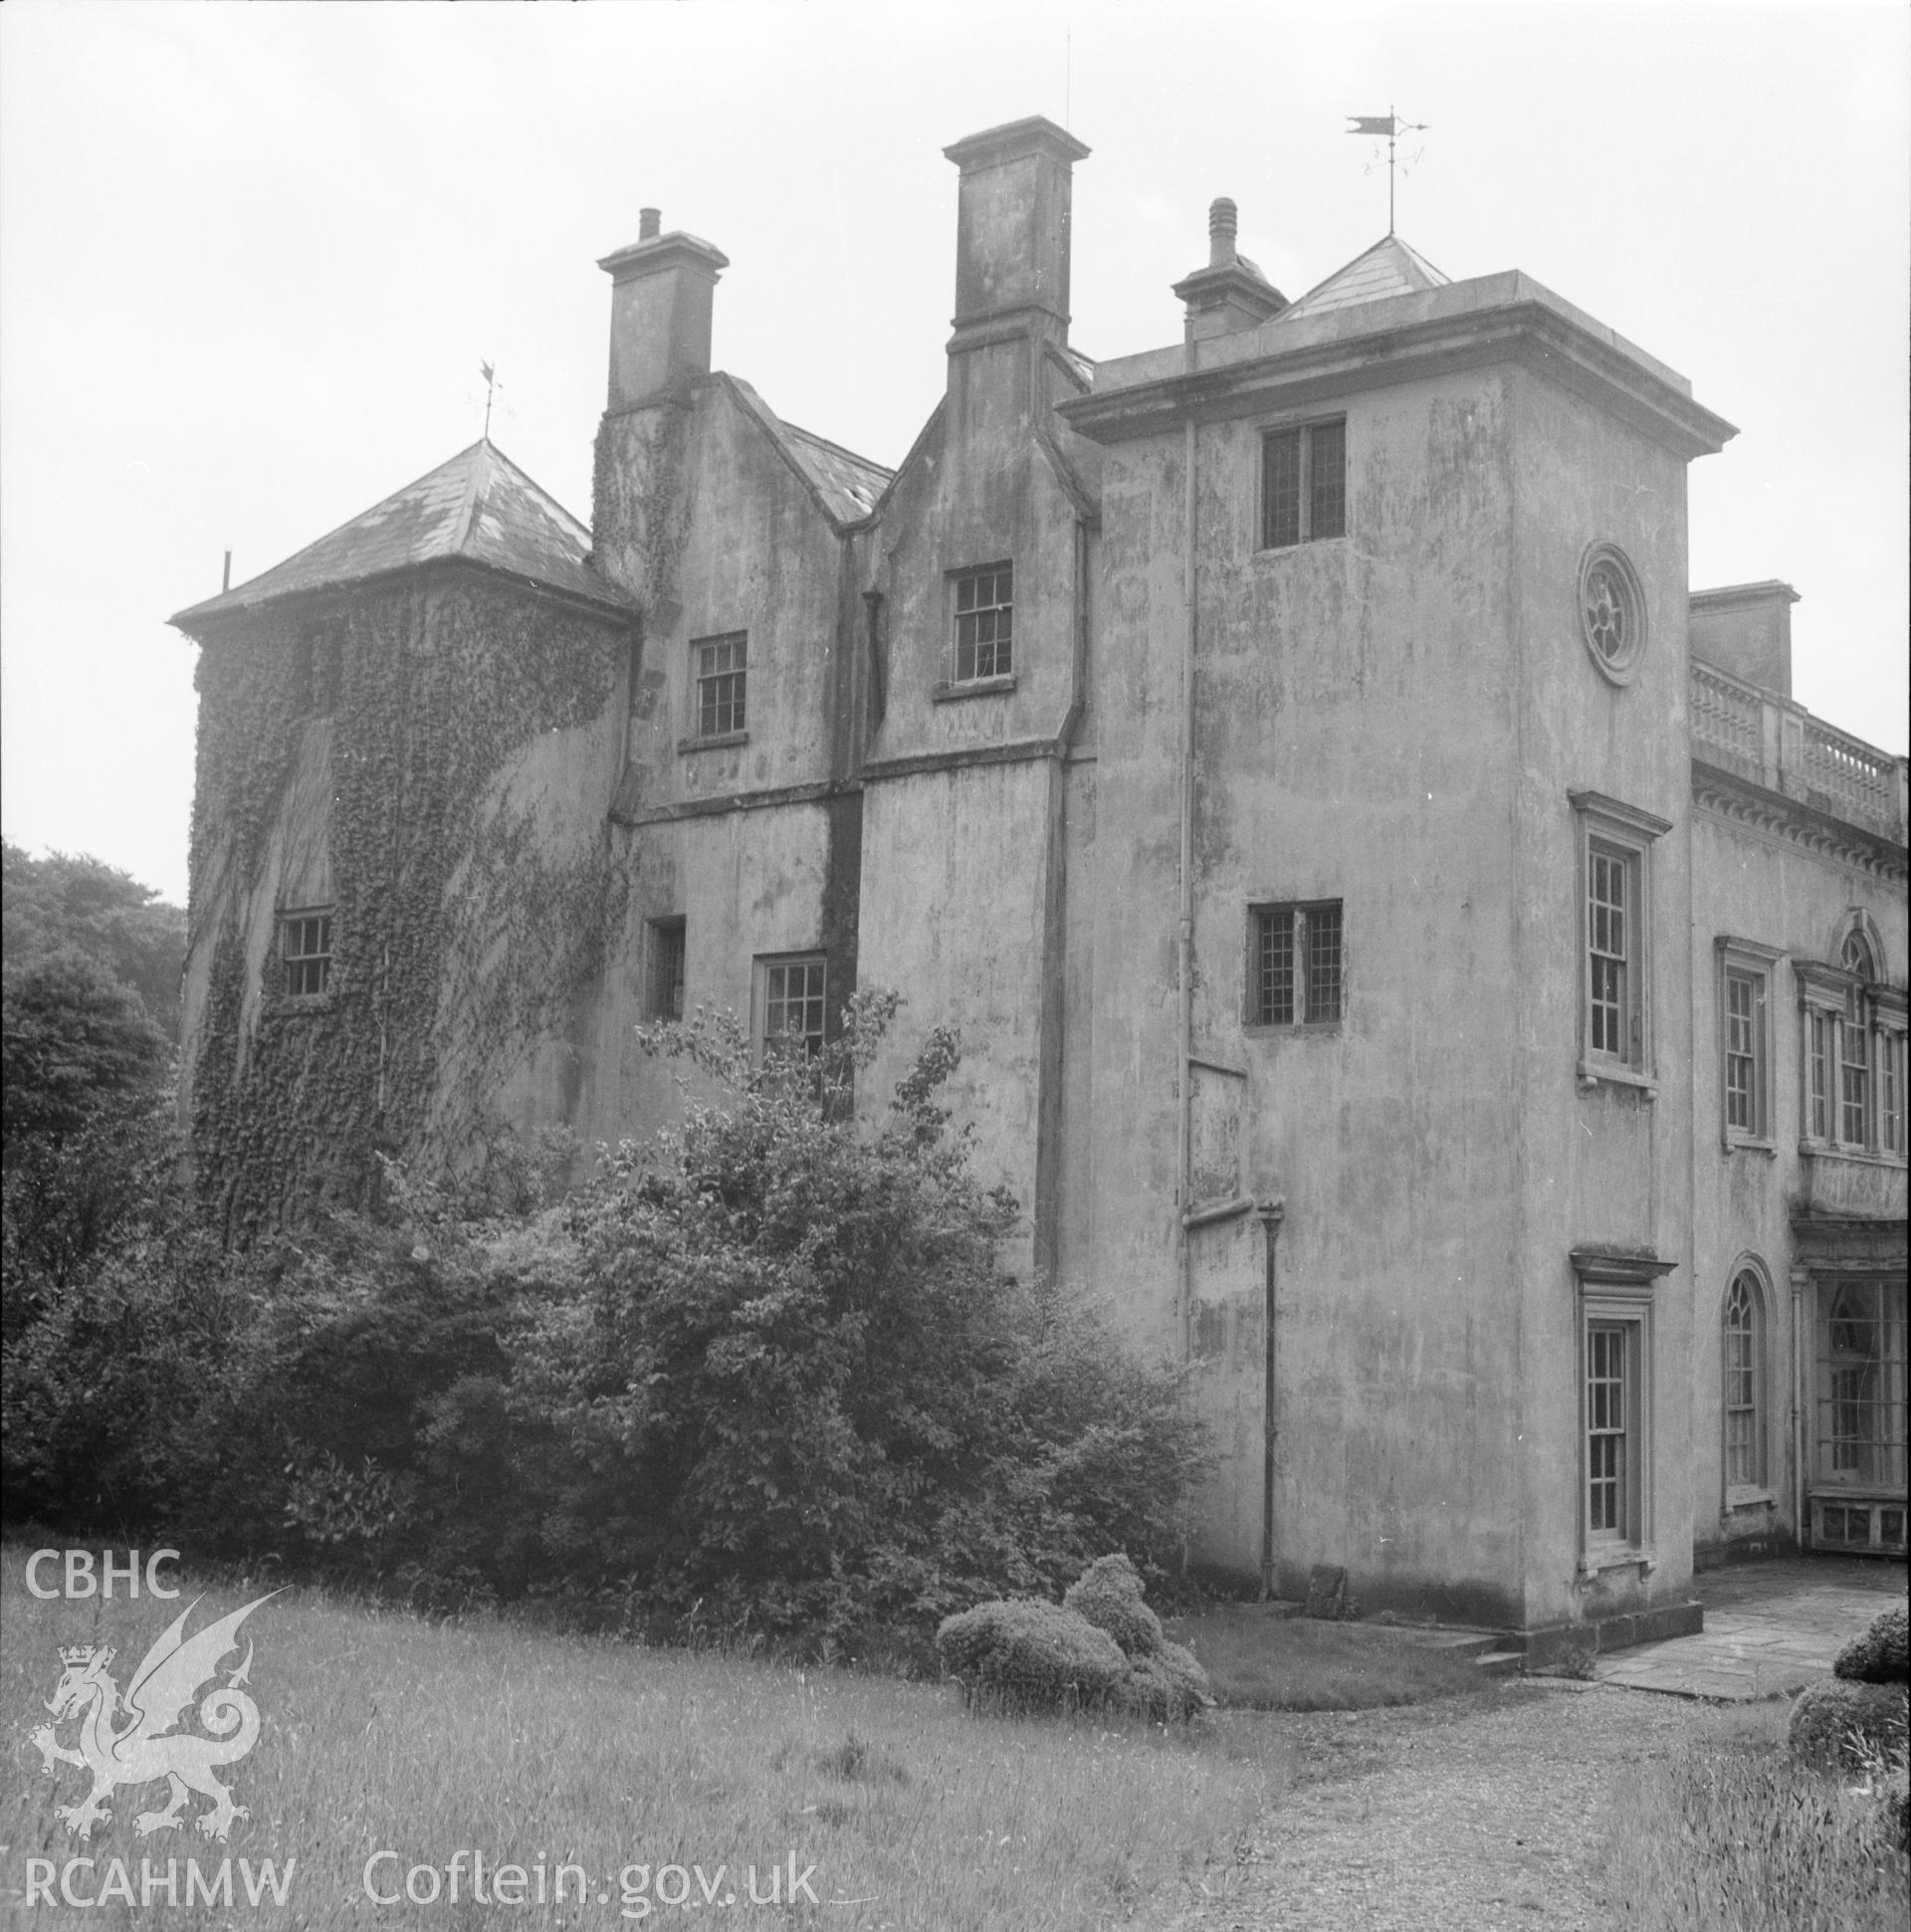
[492,384]
[1393,126]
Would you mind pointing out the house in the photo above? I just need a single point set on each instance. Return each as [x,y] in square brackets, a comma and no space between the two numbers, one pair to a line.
[1415,959]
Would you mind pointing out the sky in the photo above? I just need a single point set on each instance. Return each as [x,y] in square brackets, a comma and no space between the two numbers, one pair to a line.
[251,259]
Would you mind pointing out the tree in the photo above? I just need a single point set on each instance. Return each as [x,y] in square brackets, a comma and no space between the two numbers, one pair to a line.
[78,1047]
[67,900]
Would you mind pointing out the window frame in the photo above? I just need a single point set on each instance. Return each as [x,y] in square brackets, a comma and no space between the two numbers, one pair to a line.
[727,712]
[1747,1277]
[1851,1054]
[666,945]
[1618,1294]
[1605,828]
[1304,437]
[1747,962]
[764,996]
[1264,918]
[320,957]
[1001,674]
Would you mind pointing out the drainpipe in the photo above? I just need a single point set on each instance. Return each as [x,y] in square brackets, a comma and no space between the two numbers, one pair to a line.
[1185,930]
[1272,1214]
[1801,1409]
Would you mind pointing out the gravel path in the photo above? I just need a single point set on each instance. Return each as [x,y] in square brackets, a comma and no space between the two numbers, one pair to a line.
[1477,1815]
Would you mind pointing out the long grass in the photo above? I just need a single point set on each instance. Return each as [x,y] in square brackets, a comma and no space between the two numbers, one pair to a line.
[382,1732]
[1729,1834]
[1258,1662]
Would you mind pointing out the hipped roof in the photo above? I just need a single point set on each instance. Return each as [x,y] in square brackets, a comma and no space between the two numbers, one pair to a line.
[478,507]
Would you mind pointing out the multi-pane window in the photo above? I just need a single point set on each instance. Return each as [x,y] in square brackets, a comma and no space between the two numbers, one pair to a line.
[305,952]
[1861,1385]
[1742,1460]
[1852,1027]
[1304,485]
[1294,969]
[1819,1050]
[1609,1426]
[664,993]
[1854,1073]
[1742,990]
[985,622]
[1745,1039]
[1616,1029]
[1608,997]
[792,992]
[722,671]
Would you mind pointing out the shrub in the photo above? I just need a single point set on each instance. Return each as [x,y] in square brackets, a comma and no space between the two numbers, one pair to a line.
[1030,1657]
[1834,1723]
[1167,1685]
[1880,1656]
[1109,1594]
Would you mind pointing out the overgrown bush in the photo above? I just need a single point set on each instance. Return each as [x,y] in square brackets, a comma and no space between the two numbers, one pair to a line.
[766,1371]
[1834,1722]
[1033,1656]
[1166,1687]
[1109,1594]
[1030,1655]
[1883,1655]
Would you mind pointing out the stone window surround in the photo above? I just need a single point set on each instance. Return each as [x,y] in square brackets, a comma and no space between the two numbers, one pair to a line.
[1617,1287]
[1759,964]
[1844,999]
[1626,830]
[1749,1268]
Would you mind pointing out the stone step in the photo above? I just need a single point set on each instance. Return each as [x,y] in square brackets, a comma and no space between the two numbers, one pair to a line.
[1501,1663]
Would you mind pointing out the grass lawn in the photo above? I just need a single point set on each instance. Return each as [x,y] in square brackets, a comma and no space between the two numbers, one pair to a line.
[385,1734]
[1726,1832]
[1266,1663]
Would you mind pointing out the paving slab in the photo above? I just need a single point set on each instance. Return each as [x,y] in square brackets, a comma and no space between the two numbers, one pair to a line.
[1770,1629]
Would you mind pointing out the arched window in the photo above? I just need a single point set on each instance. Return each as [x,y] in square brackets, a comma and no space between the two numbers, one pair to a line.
[1744,1383]
[1852,1030]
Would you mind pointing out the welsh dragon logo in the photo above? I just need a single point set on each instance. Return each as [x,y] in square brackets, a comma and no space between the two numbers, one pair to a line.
[129,1739]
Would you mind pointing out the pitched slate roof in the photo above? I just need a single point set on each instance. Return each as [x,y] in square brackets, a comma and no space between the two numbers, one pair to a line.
[1388,268]
[480,508]
[850,484]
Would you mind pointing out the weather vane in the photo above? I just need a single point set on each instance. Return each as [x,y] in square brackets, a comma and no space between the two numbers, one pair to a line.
[492,384]
[1393,126]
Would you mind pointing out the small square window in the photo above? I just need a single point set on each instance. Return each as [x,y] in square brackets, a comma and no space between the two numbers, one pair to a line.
[1304,485]
[664,990]
[722,673]
[985,622]
[789,1004]
[1294,968]
[305,952]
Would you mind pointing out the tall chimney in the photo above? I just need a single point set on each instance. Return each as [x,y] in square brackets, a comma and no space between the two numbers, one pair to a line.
[1011,226]
[661,288]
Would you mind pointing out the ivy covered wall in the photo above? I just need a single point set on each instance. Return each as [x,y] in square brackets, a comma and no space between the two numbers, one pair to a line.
[468,919]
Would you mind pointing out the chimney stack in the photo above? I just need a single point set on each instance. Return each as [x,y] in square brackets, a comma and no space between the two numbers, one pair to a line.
[661,288]
[1231,293]
[1222,221]
[1011,227]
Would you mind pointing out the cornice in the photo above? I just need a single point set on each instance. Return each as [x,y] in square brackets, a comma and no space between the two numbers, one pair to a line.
[1753,808]
[1523,331]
